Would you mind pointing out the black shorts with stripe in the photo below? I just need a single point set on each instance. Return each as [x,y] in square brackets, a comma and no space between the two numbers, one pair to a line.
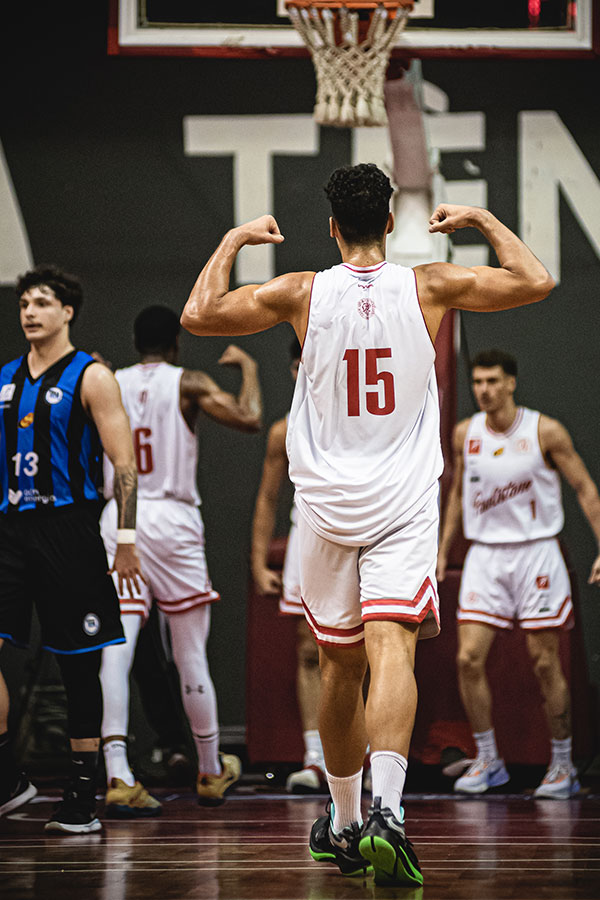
[56,560]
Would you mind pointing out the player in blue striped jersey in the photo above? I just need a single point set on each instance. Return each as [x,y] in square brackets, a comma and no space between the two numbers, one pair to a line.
[58,409]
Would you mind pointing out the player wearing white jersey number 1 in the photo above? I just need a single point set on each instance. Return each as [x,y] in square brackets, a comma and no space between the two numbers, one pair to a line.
[163,402]
[364,449]
[508,462]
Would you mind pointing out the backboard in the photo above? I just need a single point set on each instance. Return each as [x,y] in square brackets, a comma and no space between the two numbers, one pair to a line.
[446,28]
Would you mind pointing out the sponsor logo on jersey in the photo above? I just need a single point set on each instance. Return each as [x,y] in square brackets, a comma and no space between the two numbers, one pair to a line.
[474,478]
[53,395]
[499,451]
[91,624]
[366,307]
[7,392]
[474,446]
[499,495]
[523,445]
[542,582]
[14,496]
[26,421]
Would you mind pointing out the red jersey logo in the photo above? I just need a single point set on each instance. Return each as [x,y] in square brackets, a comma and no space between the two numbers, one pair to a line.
[543,582]
[474,446]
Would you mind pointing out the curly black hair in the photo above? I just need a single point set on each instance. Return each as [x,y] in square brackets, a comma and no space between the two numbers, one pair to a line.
[156,329]
[487,359]
[67,288]
[360,202]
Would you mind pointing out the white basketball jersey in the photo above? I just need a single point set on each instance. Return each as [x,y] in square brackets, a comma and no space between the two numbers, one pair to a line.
[363,433]
[510,494]
[166,450]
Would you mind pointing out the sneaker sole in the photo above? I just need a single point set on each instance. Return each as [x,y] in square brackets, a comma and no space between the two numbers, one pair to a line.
[118,811]
[25,797]
[66,828]
[558,795]
[390,867]
[496,781]
[325,856]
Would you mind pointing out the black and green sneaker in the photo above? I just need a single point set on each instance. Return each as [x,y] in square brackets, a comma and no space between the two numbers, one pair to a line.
[385,845]
[341,848]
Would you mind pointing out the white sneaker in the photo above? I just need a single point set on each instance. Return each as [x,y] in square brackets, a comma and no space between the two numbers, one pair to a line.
[559,783]
[482,775]
[310,780]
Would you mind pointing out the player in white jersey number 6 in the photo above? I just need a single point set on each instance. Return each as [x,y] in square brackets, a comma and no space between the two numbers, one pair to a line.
[364,450]
[507,487]
[164,403]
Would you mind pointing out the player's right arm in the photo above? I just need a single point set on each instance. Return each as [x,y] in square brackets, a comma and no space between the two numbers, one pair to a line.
[263,525]
[453,511]
[519,279]
[212,308]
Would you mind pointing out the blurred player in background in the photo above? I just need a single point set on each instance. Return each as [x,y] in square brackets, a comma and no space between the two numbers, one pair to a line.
[506,487]
[163,402]
[311,778]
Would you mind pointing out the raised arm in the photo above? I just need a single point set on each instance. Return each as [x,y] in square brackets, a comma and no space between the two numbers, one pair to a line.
[101,398]
[263,524]
[519,279]
[199,392]
[557,447]
[212,308]
[453,511]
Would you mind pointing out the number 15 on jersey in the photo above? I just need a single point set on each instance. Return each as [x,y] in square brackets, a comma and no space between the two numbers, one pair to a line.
[376,404]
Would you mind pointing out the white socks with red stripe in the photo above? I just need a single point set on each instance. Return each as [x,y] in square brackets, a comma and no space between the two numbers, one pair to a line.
[388,771]
[345,794]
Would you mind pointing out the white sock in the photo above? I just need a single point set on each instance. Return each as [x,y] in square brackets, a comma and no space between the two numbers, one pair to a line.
[313,750]
[345,794]
[117,765]
[486,745]
[189,633]
[561,753]
[388,772]
[114,678]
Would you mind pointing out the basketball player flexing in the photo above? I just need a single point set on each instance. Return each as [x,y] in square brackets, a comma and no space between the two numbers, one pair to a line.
[58,409]
[311,777]
[365,458]
[506,486]
[163,402]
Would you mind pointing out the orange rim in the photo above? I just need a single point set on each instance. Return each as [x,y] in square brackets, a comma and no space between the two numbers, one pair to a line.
[349,4]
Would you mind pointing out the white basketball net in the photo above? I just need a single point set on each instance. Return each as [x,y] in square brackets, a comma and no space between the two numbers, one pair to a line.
[350,75]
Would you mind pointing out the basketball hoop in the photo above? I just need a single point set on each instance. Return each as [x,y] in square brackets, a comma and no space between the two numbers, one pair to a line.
[350,61]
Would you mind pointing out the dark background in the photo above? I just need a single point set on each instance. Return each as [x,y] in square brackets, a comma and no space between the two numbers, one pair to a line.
[95,150]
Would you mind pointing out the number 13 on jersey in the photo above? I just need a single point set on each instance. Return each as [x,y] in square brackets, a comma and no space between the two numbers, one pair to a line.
[376,405]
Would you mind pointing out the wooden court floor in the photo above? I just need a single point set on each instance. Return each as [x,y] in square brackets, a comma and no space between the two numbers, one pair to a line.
[255,848]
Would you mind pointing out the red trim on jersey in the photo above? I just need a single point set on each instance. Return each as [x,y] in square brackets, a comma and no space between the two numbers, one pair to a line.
[404,616]
[483,612]
[312,287]
[202,597]
[509,431]
[365,269]
[510,624]
[422,313]
[557,615]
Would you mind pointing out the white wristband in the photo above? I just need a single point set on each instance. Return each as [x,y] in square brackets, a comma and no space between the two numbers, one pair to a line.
[125,535]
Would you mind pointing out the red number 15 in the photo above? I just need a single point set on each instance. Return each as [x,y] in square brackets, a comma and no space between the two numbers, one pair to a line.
[372,376]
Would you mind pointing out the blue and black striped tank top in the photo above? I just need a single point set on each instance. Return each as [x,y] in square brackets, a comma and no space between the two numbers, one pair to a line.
[50,452]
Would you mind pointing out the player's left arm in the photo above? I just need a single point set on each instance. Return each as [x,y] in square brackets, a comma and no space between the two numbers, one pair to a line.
[212,308]
[557,447]
[101,397]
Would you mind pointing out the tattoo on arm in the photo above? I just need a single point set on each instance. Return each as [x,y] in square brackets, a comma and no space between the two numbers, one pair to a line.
[125,491]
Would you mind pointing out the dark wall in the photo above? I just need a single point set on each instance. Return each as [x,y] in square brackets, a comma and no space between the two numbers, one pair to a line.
[95,150]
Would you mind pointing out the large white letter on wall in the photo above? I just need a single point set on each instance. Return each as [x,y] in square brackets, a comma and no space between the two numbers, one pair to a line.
[252,141]
[15,252]
[551,160]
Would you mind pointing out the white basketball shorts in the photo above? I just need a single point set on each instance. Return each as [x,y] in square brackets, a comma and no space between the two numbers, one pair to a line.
[526,581]
[290,603]
[170,544]
[393,579]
